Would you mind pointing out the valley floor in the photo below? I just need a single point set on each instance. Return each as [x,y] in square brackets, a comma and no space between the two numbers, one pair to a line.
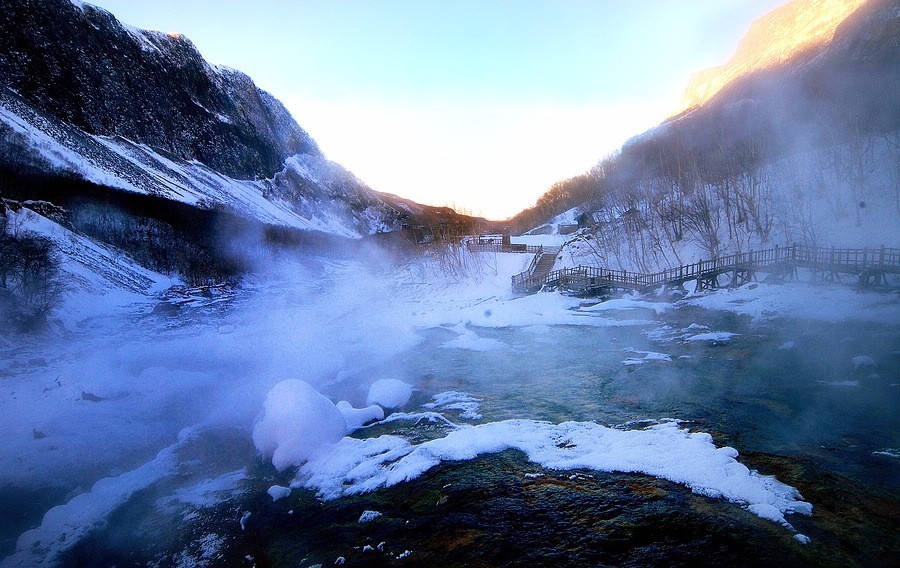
[145,413]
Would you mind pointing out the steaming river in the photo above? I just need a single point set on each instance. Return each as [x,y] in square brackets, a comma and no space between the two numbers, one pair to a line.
[813,404]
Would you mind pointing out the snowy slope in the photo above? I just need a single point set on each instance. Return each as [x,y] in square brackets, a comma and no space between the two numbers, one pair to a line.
[310,193]
[142,111]
[97,278]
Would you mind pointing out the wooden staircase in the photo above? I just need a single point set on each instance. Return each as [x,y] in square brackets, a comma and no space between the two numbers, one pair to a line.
[544,265]
[538,271]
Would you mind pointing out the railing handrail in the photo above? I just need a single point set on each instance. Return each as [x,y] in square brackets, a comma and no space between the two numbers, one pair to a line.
[837,260]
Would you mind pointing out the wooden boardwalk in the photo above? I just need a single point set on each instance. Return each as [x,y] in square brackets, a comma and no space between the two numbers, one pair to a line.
[871,266]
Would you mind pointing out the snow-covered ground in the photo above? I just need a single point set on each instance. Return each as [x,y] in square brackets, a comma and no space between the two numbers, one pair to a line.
[802,300]
[566,219]
[98,279]
[809,198]
[141,387]
[538,240]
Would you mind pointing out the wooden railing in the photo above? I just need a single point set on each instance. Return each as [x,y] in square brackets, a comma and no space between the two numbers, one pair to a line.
[847,261]
[524,280]
[498,247]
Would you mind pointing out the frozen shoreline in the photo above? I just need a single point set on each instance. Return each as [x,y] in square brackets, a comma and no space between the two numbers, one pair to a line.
[135,375]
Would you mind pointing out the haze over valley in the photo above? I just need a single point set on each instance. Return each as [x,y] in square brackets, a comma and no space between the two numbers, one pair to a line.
[556,285]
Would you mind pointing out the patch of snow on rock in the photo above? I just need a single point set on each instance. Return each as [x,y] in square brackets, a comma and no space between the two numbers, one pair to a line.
[888,452]
[277,492]
[368,516]
[453,400]
[662,450]
[712,337]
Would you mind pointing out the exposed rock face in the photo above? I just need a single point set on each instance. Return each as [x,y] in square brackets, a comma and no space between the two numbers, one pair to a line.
[782,34]
[84,94]
[829,91]
[80,64]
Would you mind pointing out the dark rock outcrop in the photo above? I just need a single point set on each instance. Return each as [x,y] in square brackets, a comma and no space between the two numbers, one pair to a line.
[82,66]
[84,96]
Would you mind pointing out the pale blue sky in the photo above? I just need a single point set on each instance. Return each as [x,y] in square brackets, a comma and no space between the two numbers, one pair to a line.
[478,104]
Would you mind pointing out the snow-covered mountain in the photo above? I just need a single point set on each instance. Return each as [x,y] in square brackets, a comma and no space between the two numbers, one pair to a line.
[784,34]
[800,144]
[83,94]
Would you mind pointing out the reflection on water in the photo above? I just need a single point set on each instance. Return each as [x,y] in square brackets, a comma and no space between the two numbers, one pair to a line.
[781,392]
[780,387]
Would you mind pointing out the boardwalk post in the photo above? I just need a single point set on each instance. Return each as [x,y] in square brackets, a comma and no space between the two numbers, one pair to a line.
[831,263]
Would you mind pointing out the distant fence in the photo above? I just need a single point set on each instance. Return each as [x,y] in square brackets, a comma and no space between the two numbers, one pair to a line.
[476,246]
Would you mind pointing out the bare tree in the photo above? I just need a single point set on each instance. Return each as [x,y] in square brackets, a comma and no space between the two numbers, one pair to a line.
[29,283]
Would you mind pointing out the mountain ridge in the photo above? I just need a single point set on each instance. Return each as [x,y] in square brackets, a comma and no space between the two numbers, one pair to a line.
[802,151]
[134,110]
[781,35]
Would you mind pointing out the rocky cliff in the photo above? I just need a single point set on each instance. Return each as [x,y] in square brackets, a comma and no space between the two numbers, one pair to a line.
[83,94]
[789,32]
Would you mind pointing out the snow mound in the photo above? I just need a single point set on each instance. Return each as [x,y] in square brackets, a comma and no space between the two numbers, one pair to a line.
[470,341]
[297,422]
[356,418]
[389,393]
[277,492]
[662,450]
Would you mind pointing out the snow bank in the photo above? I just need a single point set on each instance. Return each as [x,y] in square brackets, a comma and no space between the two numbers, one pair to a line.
[64,525]
[297,422]
[662,450]
[629,303]
[389,393]
[98,278]
[356,418]
[470,341]
[801,300]
[538,309]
